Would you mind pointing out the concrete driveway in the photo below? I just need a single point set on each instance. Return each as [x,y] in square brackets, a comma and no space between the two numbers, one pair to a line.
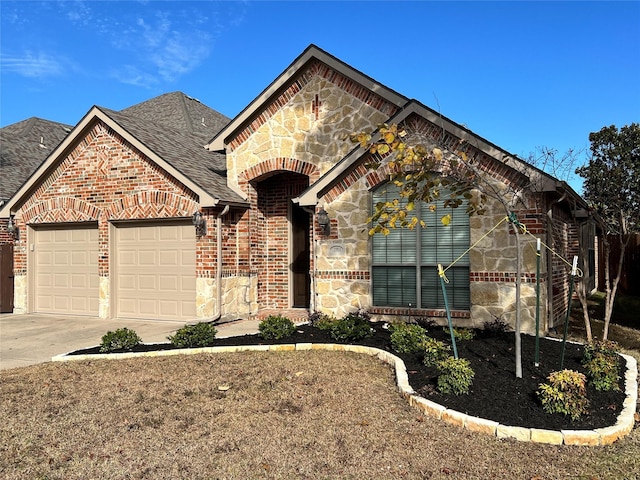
[34,338]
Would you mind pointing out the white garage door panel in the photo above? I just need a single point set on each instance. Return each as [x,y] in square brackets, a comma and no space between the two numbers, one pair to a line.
[66,271]
[155,271]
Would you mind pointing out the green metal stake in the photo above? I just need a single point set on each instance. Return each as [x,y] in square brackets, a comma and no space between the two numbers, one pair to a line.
[537,356]
[574,269]
[446,306]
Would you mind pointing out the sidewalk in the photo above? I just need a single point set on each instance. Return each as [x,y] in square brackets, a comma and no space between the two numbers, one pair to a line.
[32,338]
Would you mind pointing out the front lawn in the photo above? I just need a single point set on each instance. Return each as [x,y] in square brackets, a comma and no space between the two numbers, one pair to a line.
[313,414]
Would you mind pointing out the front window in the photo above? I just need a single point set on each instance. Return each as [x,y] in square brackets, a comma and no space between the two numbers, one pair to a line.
[405,262]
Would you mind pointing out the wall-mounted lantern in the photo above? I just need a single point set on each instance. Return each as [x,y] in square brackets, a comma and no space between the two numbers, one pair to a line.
[323,221]
[200,223]
[13,229]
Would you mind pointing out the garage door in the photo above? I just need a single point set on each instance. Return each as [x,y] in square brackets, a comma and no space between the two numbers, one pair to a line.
[66,270]
[155,271]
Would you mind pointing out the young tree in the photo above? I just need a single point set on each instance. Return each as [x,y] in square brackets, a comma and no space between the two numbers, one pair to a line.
[612,189]
[563,167]
[422,169]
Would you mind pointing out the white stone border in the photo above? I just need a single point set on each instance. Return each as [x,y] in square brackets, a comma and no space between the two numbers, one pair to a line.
[599,436]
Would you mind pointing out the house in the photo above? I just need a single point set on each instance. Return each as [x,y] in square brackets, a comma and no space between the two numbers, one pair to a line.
[169,210]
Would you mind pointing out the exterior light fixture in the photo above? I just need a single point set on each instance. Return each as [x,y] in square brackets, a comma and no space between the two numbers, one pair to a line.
[323,221]
[200,223]
[13,229]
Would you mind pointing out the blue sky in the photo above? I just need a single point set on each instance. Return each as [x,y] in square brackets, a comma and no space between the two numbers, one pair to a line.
[520,74]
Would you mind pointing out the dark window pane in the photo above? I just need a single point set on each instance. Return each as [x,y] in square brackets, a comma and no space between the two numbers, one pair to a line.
[394,286]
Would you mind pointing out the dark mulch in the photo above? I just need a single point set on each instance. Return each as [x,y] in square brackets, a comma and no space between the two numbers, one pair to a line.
[496,393]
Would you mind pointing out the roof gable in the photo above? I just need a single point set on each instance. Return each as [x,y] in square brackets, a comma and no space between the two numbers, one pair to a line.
[451,133]
[177,152]
[288,80]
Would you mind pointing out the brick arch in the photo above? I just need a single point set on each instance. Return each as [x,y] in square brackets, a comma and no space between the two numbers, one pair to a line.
[151,204]
[278,165]
[61,209]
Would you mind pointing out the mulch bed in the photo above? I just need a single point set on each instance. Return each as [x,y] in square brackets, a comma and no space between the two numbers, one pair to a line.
[496,393]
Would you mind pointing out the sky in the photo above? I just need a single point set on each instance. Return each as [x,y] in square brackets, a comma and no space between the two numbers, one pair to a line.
[523,75]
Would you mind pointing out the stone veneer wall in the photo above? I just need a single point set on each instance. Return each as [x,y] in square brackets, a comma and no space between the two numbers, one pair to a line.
[305,131]
[343,261]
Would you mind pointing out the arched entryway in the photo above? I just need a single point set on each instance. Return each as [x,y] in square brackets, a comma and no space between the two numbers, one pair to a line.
[280,242]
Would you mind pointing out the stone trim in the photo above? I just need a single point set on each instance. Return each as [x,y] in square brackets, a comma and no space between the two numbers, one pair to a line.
[600,436]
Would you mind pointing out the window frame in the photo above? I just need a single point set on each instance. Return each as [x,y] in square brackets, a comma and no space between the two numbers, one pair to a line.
[459,294]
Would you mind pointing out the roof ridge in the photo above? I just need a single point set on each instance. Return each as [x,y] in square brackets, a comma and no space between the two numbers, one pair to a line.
[185,111]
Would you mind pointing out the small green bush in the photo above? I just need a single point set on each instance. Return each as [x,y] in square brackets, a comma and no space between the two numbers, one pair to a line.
[456,376]
[565,393]
[200,334]
[322,320]
[120,339]
[602,371]
[608,348]
[434,351]
[461,333]
[407,337]
[351,328]
[601,362]
[426,322]
[275,327]
[495,327]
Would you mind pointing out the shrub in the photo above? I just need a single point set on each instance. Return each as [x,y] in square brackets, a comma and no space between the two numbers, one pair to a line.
[201,334]
[275,327]
[565,393]
[495,327]
[434,351]
[120,339]
[351,328]
[322,320]
[456,375]
[426,322]
[461,333]
[602,371]
[407,338]
[608,348]
[601,362]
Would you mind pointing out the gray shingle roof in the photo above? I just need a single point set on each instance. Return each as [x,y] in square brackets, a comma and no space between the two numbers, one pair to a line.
[181,112]
[181,149]
[23,147]
[174,126]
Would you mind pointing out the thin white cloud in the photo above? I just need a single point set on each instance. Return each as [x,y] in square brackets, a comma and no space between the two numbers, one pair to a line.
[163,45]
[152,43]
[132,75]
[32,65]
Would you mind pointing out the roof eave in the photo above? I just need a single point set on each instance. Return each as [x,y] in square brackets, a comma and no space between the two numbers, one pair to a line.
[547,183]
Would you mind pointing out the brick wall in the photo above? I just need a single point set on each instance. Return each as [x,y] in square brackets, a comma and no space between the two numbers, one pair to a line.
[270,242]
[103,178]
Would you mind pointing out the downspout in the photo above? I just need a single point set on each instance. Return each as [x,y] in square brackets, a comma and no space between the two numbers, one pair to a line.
[549,240]
[218,315]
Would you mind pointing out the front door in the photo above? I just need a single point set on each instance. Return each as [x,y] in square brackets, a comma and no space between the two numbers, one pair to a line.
[6,278]
[300,261]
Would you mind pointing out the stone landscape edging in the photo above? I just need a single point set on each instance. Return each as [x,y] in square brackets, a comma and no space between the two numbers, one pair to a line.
[599,436]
